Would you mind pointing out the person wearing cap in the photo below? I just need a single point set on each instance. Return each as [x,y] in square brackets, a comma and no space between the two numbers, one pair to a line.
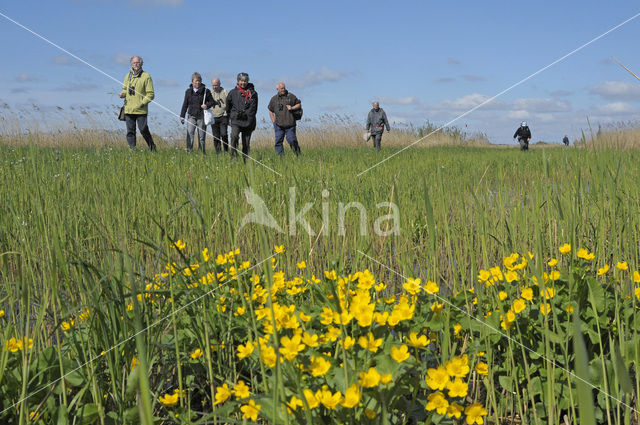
[376,122]
[524,136]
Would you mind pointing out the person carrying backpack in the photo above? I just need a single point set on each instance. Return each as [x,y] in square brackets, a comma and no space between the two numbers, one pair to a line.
[524,136]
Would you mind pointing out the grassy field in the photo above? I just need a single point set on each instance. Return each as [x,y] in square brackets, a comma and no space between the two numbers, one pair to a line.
[131,275]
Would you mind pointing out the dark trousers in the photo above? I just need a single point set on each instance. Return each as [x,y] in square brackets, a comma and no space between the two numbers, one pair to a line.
[292,139]
[246,140]
[524,144]
[219,131]
[141,121]
[377,138]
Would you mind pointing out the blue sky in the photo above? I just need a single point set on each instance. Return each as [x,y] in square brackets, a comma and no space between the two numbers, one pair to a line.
[423,60]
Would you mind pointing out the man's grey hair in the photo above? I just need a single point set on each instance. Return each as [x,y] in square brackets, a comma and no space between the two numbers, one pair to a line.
[243,76]
[139,57]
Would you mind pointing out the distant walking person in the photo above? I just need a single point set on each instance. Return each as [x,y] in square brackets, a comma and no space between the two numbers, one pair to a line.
[219,110]
[137,90]
[566,140]
[242,105]
[281,111]
[376,122]
[196,98]
[524,136]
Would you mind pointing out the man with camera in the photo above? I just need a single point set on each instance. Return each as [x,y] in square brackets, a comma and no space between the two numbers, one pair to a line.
[137,90]
[221,120]
[242,106]
[282,108]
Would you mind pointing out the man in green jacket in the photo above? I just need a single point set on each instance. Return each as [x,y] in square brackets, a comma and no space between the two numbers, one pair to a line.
[137,90]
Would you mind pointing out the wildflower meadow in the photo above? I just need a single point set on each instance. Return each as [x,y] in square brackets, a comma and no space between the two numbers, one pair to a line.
[448,285]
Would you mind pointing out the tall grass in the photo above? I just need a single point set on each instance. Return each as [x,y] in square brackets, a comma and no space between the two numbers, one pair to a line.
[89,228]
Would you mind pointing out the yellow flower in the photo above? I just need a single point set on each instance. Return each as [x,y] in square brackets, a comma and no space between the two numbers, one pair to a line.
[527,294]
[351,397]
[545,308]
[302,265]
[585,255]
[437,402]
[294,403]
[205,255]
[290,347]
[416,341]
[552,263]
[268,355]
[179,245]
[637,292]
[569,309]
[565,249]
[371,414]
[457,328]
[549,293]
[474,413]
[482,368]
[636,276]
[457,388]
[332,275]
[14,345]
[245,350]
[241,390]
[412,286]
[348,342]
[458,366]
[436,307]
[454,410]
[519,305]
[400,354]
[1,314]
[240,311]
[278,249]
[431,288]
[250,410]
[196,354]
[134,362]
[437,379]
[222,394]
[483,275]
[319,366]
[64,325]
[511,276]
[502,295]
[170,400]
[369,379]
[385,378]
[622,266]
[381,318]
[603,270]
[370,342]
[310,340]
[554,275]
[328,400]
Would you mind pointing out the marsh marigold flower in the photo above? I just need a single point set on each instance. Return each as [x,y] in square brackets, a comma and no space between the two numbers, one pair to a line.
[458,366]
[179,245]
[196,354]
[294,403]
[519,305]
[622,265]
[319,366]
[400,354]
[431,288]
[245,350]
[437,401]
[222,394]
[636,276]
[169,400]
[290,347]
[412,286]
[278,249]
[370,342]
[351,397]
[241,390]
[371,414]
[302,265]
[370,378]
[417,341]
[438,378]
[565,249]
[482,368]
[502,295]
[457,388]
[454,410]
[327,399]
[552,263]
[250,410]
[545,308]
[527,294]
[585,255]
[603,270]
[474,413]
[332,275]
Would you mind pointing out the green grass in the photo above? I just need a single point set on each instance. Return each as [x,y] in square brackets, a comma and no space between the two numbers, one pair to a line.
[83,227]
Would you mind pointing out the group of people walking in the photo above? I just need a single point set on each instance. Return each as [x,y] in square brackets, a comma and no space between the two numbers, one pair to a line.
[238,108]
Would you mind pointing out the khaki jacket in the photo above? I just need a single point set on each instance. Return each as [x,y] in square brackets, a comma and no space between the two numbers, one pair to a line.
[219,108]
[139,101]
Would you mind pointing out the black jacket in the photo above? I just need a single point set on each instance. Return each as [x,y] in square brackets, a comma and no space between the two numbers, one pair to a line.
[522,133]
[241,111]
[193,101]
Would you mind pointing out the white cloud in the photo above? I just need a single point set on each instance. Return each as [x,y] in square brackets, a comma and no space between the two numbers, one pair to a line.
[399,100]
[122,58]
[61,60]
[542,105]
[155,3]
[615,108]
[468,102]
[617,90]
[518,115]
[25,78]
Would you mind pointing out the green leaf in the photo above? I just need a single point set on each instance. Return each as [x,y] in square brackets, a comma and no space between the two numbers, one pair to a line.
[622,372]
[506,382]
[585,399]
[88,413]
[62,417]
[596,294]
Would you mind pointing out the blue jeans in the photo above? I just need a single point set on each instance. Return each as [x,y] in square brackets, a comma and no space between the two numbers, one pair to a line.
[194,124]
[292,139]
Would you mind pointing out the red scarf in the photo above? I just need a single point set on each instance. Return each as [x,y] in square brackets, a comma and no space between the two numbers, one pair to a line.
[245,93]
